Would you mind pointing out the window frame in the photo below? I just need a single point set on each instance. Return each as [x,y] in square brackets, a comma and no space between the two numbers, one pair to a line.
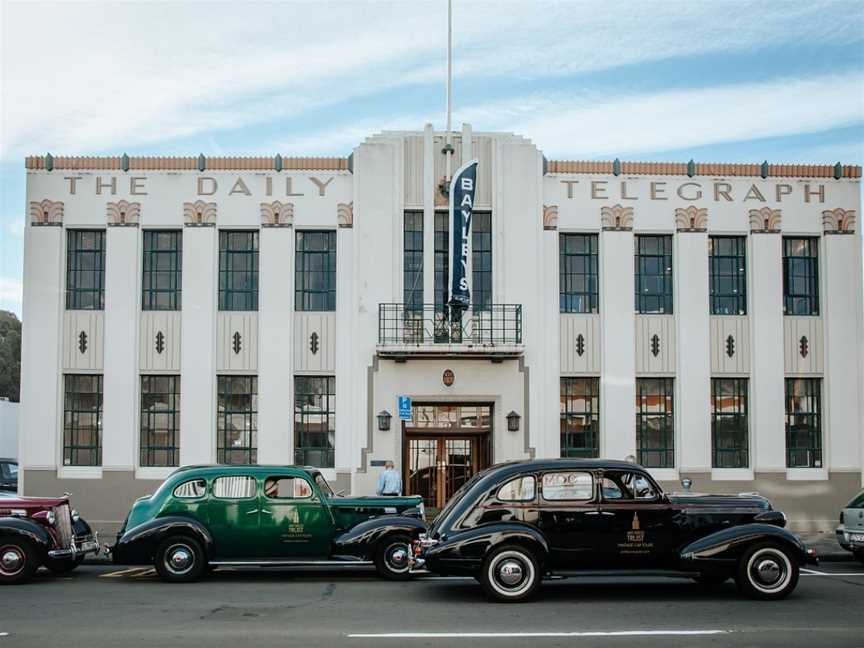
[144,432]
[224,415]
[189,497]
[236,499]
[589,396]
[519,478]
[817,449]
[590,297]
[591,498]
[412,260]
[811,297]
[741,417]
[738,257]
[75,255]
[71,429]
[666,297]
[328,396]
[150,291]
[667,396]
[230,298]
[482,284]
[304,258]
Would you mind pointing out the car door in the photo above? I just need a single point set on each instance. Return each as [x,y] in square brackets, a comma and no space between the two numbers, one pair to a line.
[295,522]
[233,516]
[639,529]
[569,518]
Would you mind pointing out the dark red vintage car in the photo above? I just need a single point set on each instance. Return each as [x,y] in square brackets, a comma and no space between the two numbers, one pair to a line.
[41,531]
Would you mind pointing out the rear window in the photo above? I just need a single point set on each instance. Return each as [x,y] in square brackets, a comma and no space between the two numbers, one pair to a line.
[190,489]
[857,501]
[569,485]
[240,487]
[521,489]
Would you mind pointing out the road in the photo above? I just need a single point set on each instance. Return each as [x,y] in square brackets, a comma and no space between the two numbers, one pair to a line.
[104,606]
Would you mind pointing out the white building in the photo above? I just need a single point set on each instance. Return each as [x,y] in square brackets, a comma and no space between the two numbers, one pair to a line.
[194,310]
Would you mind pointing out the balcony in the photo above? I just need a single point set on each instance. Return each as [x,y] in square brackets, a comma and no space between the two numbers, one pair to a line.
[432,331]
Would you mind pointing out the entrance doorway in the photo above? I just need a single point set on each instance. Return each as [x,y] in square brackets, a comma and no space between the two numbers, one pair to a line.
[444,446]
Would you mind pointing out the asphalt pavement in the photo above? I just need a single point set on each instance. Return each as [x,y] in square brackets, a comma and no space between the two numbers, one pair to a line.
[101,605]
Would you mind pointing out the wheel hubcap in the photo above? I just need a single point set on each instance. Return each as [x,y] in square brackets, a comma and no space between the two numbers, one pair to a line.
[510,572]
[11,560]
[397,557]
[768,571]
[180,559]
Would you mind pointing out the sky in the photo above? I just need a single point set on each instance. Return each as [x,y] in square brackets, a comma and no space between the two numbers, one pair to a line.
[721,81]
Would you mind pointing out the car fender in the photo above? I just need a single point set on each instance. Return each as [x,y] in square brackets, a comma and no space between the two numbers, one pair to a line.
[23,528]
[475,544]
[361,539]
[729,544]
[138,545]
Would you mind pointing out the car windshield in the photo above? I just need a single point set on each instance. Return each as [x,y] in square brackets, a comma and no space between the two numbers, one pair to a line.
[857,501]
[453,501]
[323,485]
[13,469]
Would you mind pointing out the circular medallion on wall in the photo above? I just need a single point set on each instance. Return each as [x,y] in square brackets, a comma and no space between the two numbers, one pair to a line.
[448,378]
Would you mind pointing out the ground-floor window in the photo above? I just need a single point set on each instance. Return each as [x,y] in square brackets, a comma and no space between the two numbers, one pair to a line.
[655,422]
[237,419]
[580,417]
[82,420]
[160,421]
[315,421]
[729,435]
[804,422]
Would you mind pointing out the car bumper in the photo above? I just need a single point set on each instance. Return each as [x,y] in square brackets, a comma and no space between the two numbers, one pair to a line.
[80,547]
[845,539]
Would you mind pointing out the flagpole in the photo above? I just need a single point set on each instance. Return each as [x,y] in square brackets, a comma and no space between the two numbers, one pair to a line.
[448,146]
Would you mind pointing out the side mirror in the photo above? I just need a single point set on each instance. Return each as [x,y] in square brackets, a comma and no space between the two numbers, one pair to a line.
[686,483]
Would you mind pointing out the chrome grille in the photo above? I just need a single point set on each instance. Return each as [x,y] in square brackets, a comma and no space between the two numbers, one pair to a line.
[63,524]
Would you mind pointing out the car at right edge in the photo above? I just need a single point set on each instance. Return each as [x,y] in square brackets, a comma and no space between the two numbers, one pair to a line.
[516,523]
[850,533]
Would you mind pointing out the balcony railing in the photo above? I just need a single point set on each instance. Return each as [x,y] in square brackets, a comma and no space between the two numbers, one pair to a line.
[430,326]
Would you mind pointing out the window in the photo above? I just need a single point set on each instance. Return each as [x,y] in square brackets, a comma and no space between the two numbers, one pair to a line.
[160,421]
[654,274]
[237,419]
[727,274]
[655,423]
[287,488]
[729,436]
[580,417]
[481,260]
[239,487]
[803,423]
[85,270]
[315,271]
[12,470]
[442,270]
[801,276]
[82,420]
[191,489]
[627,486]
[314,421]
[238,270]
[163,258]
[577,273]
[412,274]
[568,486]
[521,489]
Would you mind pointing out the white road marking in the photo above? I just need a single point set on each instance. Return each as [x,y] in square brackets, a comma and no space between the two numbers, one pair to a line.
[528,635]
[816,572]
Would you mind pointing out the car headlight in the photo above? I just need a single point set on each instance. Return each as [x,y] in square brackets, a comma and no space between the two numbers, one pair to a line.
[75,515]
[50,518]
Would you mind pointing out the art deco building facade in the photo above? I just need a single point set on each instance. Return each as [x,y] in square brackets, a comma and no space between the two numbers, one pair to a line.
[703,318]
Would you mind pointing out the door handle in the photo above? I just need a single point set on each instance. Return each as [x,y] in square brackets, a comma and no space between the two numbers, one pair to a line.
[252,512]
[266,512]
[599,513]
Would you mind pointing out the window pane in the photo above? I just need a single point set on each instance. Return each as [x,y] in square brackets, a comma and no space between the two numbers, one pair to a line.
[653,264]
[315,420]
[655,422]
[580,417]
[189,489]
[315,271]
[85,264]
[238,270]
[729,423]
[481,260]
[568,486]
[578,273]
[800,276]
[160,421]
[803,423]
[521,489]
[237,419]
[239,487]
[82,420]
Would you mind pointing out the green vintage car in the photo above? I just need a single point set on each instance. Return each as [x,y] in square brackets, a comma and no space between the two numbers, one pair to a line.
[207,516]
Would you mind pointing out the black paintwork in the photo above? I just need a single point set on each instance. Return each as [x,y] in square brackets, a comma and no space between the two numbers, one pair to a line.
[32,531]
[682,532]
[361,540]
[138,546]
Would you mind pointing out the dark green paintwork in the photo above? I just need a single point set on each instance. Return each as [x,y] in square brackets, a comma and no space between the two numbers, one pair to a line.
[261,527]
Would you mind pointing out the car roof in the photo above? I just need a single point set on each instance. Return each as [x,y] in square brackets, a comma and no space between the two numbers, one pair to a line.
[8,460]
[245,468]
[563,464]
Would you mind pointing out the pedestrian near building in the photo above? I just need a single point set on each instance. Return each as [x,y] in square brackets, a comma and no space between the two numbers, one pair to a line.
[389,481]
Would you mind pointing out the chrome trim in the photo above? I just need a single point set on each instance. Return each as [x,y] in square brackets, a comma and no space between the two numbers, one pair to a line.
[86,547]
[289,563]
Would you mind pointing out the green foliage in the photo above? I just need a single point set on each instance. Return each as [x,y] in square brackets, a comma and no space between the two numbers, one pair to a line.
[10,356]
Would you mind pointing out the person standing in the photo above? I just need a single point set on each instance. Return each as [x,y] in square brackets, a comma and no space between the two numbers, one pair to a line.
[389,481]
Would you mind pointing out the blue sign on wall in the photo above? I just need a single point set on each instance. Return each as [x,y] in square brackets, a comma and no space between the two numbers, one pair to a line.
[405,408]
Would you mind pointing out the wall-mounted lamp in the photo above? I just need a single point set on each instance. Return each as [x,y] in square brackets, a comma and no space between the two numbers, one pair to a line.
[384,420]
[513,422]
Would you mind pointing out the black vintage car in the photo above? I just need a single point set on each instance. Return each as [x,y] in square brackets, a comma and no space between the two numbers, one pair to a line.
[515,523]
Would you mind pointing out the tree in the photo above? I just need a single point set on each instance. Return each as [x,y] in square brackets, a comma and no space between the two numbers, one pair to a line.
[10,356]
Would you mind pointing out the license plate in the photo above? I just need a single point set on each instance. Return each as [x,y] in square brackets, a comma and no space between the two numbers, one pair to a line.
[856,537]
[90,545]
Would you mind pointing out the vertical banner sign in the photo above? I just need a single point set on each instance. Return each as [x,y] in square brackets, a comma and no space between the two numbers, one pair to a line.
[462,187]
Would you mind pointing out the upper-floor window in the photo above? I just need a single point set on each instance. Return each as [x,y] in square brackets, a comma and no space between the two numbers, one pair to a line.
[85,269]
[481,260]
[803,422]
[412,260]
[315,271]
[163,258]
[653,274]
[655,423]
[237,419]
[160,421]
[238,270]
[580,417]
[801,276]
[315,421]
[729,432]
[577,273]
[82,420]
[727,270]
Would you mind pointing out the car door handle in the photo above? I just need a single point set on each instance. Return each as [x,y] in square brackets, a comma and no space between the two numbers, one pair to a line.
[599,513]
[252,512]
[266,512]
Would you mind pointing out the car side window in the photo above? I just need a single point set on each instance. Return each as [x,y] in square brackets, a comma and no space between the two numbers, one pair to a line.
[191,489]
[521,489]
[234,487]
[570,485]
[4,471]
[627,486]
[611,490]
[287,488]
[13,470]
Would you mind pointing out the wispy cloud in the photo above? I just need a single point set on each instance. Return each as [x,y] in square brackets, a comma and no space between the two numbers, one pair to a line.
[11,294]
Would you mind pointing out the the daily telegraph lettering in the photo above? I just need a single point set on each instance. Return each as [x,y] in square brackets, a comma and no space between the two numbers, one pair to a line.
[693,190]
[206,185]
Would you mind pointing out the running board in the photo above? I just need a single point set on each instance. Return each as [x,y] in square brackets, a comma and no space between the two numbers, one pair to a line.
[629,573]
[291,563]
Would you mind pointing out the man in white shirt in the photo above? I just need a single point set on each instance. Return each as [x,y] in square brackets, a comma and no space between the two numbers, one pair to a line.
[389,481]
